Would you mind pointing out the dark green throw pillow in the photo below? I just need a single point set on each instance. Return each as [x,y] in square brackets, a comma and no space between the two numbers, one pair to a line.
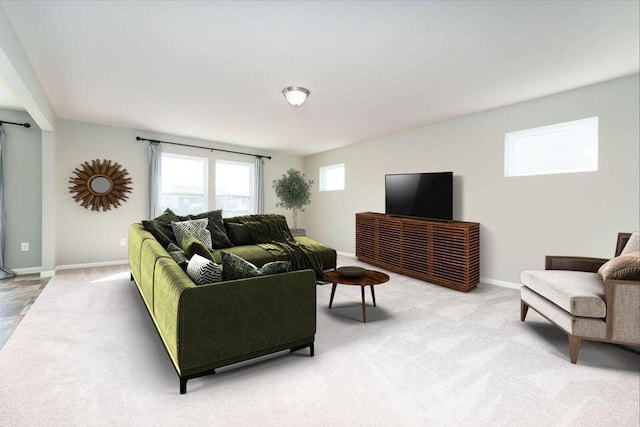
[192,246]
[173,247]
[160,227]
[238,234]
[215,226]
[234,267]
[180,258]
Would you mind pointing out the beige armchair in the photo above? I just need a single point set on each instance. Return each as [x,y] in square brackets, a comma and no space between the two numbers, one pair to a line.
[588,298]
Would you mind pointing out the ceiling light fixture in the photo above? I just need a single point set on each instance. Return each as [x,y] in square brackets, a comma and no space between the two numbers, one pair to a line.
[295,95]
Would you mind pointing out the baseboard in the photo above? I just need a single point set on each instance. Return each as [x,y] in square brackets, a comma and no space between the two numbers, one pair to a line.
[91,265]
[500,283]
[346,254]
[29,270]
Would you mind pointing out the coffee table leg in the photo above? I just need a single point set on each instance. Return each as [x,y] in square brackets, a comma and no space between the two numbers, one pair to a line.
[364,307]
[373,295]
[333,292]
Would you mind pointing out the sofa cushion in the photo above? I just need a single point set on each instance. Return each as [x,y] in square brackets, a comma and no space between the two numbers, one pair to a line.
[196,228]
[192,246]
[160,227]
[203,271]
[623,267]
[219,238]
[234,267]
[577,292]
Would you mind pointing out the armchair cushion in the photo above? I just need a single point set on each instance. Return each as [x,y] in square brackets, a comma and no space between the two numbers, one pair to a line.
[623,267]
[577,292]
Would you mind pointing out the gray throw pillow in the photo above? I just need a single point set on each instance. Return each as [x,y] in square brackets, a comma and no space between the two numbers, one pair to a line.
[196,228]
[203,271]
[234,267]
[180,258]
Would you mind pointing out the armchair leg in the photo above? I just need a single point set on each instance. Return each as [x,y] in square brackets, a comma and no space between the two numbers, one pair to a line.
[574,348]
[524,308]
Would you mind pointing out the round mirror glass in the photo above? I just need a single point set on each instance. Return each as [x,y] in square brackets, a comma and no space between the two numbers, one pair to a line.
[100,185]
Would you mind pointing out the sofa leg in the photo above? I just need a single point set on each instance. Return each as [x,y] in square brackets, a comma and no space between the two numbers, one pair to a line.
[183,385]
[300,347]
[524,308]
[574,348]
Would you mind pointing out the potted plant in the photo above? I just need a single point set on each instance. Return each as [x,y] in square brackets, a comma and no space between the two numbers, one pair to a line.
[293,191]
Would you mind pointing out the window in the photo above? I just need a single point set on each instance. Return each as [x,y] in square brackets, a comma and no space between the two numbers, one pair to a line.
[234,188]
[560,148]
[184,184]
[332,177]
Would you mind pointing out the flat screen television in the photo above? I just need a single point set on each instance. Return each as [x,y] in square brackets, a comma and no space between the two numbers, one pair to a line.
[422,195]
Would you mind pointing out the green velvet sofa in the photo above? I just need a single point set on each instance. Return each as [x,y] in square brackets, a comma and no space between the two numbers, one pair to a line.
[209,326]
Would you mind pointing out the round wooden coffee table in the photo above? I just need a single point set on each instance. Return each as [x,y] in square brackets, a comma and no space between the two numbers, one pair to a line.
[369,278]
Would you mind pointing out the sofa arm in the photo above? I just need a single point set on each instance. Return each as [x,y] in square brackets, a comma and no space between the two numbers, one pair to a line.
[573,263]
[623,310]
[224,321]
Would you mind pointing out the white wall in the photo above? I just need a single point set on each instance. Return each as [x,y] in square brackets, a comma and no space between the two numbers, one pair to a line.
[522,219]
[85,236]
[23,191]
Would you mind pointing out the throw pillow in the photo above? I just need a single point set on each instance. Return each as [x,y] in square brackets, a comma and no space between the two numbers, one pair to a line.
[160,227]
[238,234]
[623,267]
[219,237]
[180,258]
[196,228]
[203,271]
[192,246]
[235,267]
[274,267]
[173,247]
[633,244]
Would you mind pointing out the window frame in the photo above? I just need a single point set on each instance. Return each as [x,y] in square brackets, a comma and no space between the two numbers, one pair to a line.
[322,176]
[548,136]
[252,185]
[205,180]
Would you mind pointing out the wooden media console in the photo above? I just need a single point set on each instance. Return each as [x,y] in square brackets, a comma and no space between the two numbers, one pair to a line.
[444,253]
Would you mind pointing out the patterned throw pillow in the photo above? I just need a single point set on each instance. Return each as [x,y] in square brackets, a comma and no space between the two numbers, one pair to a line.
[274,267]
[234,267]
[196,228]
[623,267]
[203,271]
[219,238]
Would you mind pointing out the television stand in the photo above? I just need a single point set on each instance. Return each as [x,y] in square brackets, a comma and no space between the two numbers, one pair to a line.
[443,253]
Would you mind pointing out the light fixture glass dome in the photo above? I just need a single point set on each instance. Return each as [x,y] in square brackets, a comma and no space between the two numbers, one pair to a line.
[295,95]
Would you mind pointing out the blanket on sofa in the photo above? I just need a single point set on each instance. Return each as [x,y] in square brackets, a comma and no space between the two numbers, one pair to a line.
[271,232]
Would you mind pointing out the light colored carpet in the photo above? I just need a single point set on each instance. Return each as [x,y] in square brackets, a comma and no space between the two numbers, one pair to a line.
[87,354]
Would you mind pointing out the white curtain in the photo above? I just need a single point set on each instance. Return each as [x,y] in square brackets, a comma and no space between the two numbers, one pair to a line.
[155,176]
[259,185]
[4,273]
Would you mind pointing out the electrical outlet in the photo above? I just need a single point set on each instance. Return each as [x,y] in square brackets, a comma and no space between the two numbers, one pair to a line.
[24,246]
[123,242]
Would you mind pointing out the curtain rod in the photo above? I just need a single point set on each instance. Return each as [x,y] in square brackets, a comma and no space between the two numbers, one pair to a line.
[204,148]
[27,125]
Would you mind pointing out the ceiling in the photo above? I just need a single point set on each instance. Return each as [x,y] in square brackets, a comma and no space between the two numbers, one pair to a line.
[215,70]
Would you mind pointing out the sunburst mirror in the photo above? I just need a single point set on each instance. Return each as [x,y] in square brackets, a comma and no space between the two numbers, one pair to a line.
[100,185]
